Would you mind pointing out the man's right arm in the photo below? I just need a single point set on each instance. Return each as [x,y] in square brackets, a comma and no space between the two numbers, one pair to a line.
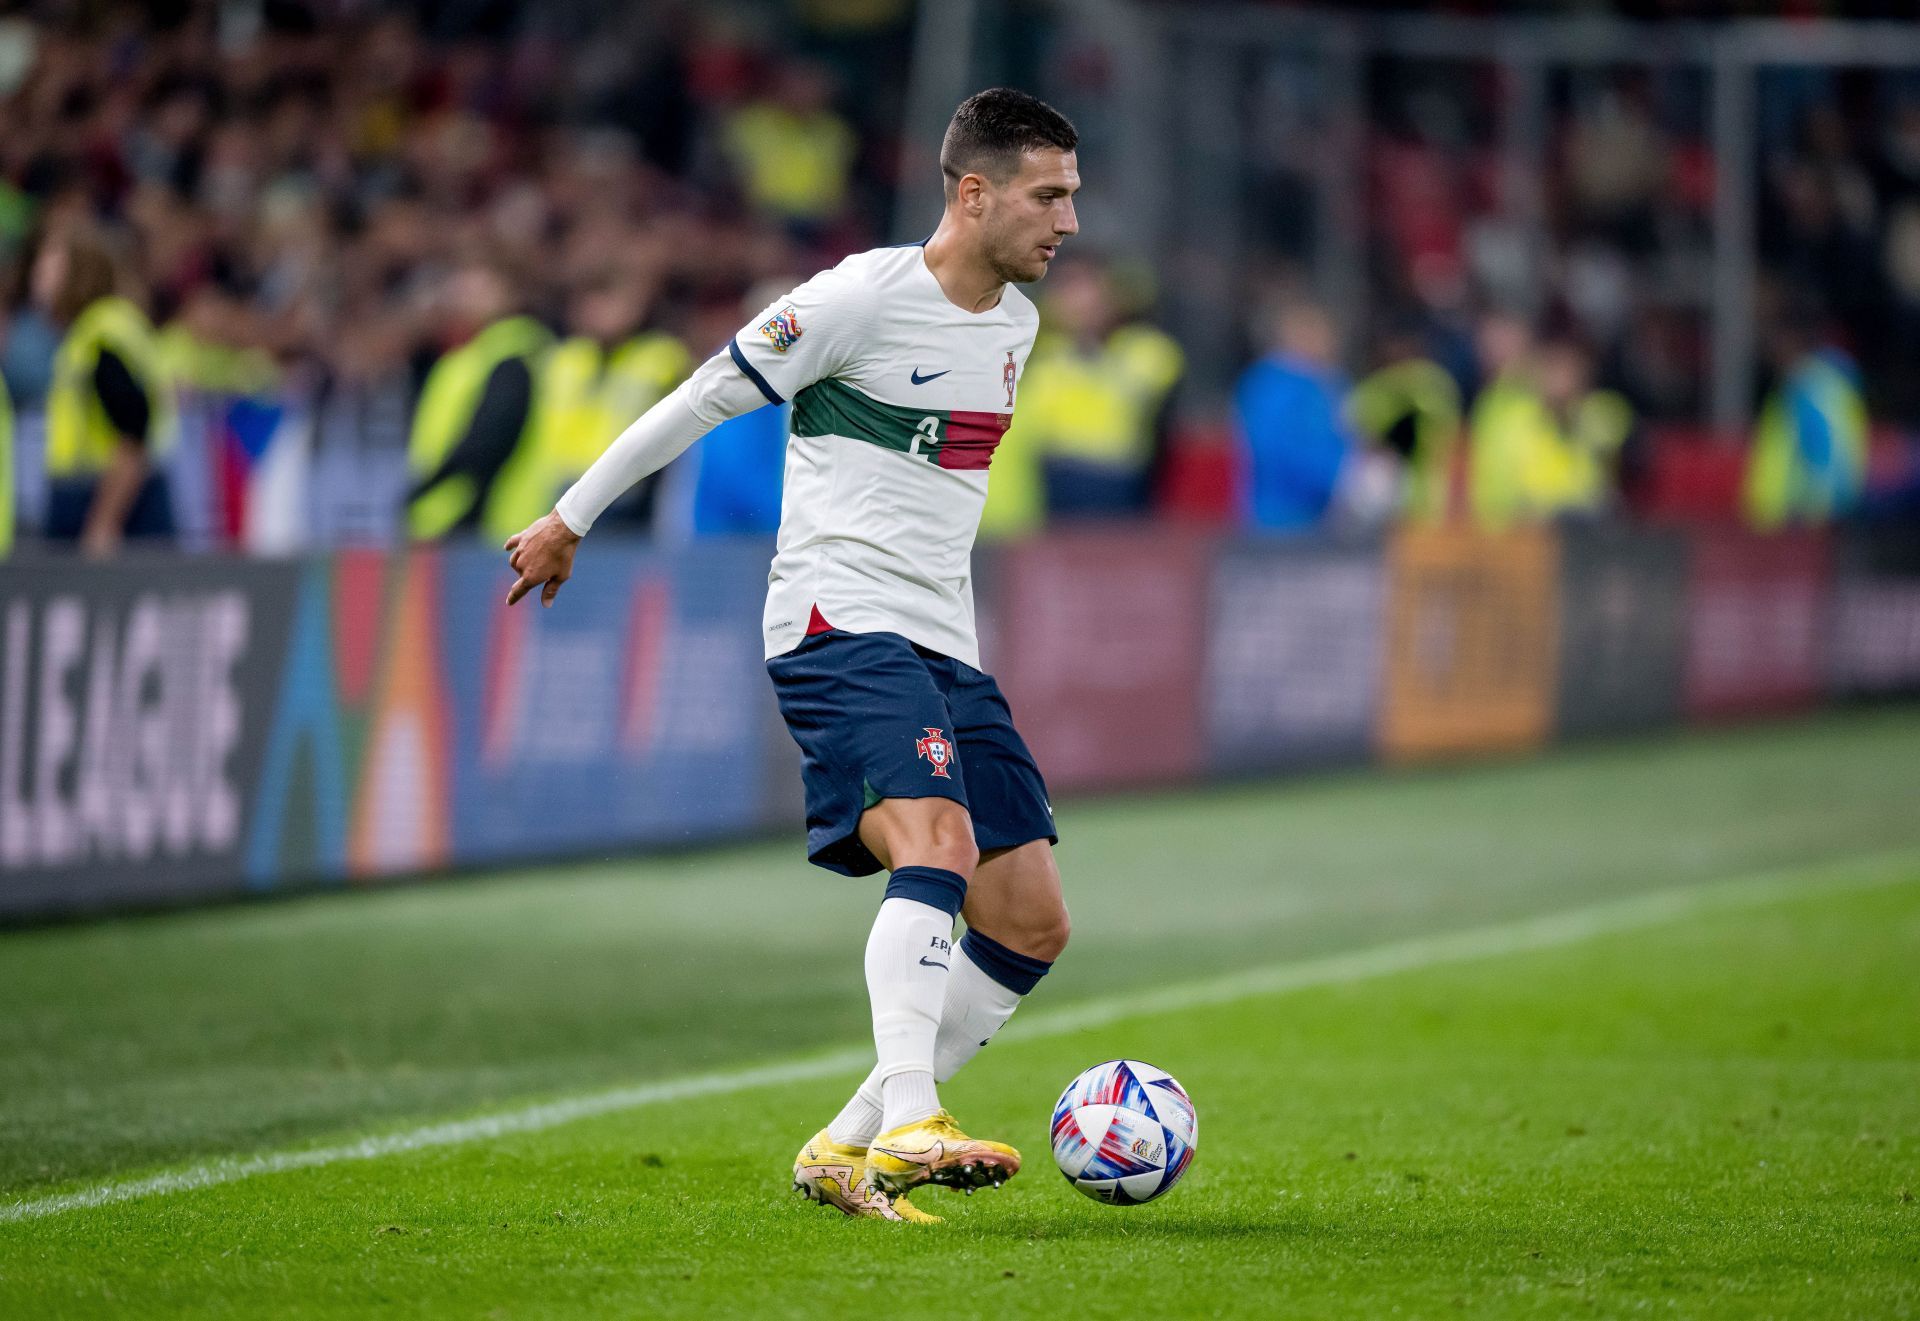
[715,392]
[543,554]
[796,340]
[768,362]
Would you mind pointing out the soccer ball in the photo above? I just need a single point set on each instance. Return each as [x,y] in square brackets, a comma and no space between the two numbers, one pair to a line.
[1124,1132]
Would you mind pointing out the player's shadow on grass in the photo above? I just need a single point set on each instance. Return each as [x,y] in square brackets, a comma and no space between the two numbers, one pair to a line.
[1277,1224]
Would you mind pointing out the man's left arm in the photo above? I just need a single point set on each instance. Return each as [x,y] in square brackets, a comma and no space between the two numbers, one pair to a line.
[131,414]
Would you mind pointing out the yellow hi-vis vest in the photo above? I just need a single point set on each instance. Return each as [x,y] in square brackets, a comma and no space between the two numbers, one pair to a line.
[1097,407]
[590,395]
[195,364]
[1588,450]
[1421,392]
[1779,486]
[1525,466]
[446,408]
[791,165]
[80,438]
[6,470]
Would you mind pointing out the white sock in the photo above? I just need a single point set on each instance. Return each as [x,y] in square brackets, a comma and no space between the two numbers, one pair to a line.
[909,952]
[858,1122]
[975,1008]
[909,1097]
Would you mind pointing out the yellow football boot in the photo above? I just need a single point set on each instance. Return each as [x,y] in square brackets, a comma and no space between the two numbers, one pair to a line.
[936,1151]
[835,1175]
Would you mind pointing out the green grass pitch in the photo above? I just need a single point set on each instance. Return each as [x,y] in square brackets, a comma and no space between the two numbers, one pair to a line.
[1692,1095]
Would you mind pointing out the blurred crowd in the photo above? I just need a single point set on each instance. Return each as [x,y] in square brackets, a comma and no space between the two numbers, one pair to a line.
[456,248]
[306,185]
[1542,439]
[318,200]
[1611,235]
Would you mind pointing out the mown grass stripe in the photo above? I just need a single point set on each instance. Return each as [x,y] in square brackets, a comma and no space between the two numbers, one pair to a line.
[1568,927]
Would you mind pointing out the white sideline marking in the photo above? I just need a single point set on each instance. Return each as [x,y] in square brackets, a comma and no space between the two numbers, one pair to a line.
[1534,933]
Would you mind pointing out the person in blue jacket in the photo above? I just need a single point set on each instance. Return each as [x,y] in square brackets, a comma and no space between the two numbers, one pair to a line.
[1293,440]
[741,461]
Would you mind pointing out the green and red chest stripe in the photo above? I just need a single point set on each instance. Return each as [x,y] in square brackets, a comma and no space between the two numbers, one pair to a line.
[947,438]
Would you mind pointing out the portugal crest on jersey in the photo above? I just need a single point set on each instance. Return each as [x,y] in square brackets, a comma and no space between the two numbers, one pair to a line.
[782,328]
[1007,378]
[936,748]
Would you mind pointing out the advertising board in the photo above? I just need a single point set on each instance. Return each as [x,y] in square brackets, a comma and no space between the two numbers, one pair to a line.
[1471,642]
[1099,638]
[133,708]
[1756,617]
[1293,655]
[1623,630]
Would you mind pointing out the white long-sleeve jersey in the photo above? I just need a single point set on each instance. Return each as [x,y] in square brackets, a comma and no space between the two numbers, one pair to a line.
[899,400]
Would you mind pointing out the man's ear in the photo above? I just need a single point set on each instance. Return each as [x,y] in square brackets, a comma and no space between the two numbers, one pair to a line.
[971,193]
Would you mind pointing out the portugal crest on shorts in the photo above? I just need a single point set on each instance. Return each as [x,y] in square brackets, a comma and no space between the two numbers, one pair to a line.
[782,328]
[938,749]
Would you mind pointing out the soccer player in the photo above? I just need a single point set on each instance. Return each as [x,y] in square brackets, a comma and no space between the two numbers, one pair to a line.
[902,365]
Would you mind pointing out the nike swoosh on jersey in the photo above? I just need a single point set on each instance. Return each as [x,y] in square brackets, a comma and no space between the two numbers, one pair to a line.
[918,379]
[926,962]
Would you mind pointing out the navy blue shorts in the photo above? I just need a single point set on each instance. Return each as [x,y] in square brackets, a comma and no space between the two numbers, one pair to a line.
[877,716]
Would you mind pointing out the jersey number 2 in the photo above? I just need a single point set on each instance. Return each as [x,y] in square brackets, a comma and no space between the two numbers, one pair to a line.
[928,430]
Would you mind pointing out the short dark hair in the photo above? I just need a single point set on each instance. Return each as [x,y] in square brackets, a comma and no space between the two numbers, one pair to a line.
[94,270]
[992,130]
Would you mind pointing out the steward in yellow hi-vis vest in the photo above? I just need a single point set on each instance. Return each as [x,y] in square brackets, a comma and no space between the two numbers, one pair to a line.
[1410,408]
[475,451]
[596,383]
[1088,430]
[202,349]
[1808,462]
[791,153]
[1546,444]
[110,408]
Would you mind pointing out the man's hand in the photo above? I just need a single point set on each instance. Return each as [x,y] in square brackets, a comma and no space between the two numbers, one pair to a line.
[113,500]
[543,557]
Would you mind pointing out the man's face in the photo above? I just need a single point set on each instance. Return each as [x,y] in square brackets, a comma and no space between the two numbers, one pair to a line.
[1027,216]
[607,312]
[1078,300]
[49,274]
[1565,375]
[476,297]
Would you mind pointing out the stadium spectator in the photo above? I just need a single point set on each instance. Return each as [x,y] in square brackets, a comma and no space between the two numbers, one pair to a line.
[1503,426]
[1590,425]
[737,490]
[475,451]
[231,406]
[1409,408]
[1289,422]
[600,378]
[110,407]
[1093,407]
[326,174]
[792,154]
[738,468]
[211,346]
[1808,460]
[297,185]
[1545,442]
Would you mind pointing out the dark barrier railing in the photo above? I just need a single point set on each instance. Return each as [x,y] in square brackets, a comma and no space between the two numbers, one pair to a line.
[179,728]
